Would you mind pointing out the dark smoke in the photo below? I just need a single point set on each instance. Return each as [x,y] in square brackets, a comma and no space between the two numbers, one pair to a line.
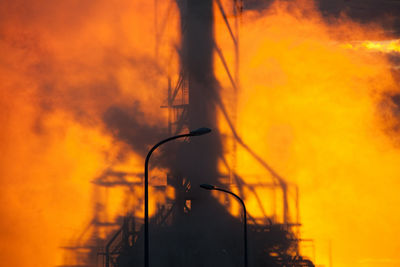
[129,125]
[384,12]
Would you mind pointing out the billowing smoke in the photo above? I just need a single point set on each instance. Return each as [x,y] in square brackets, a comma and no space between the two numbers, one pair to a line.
[68,68]
[81,91]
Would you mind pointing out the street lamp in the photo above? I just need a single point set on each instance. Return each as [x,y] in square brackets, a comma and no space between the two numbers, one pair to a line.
[197,132]
[212,187]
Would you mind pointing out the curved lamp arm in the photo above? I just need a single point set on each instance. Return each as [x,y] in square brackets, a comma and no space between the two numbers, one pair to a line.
[198,132]
[213,187]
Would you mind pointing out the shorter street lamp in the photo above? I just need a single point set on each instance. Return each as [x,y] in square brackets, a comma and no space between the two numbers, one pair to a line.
[212,187]
[197,132]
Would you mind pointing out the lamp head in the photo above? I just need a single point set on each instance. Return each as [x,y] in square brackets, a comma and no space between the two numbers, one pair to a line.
[207,186]
[200,131]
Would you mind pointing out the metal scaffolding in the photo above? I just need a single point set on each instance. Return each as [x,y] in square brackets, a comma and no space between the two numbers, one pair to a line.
[193,100]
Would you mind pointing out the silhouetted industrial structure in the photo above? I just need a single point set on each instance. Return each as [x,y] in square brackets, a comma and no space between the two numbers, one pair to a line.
[194,228]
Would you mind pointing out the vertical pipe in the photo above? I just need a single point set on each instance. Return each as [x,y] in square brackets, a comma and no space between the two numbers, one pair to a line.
[197,60]
[170,104]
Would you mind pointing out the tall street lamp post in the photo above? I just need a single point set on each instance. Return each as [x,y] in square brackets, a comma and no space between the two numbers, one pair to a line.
[212,187]
[197,132]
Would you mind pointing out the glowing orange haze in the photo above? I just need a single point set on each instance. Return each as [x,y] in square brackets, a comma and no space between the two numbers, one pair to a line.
[316,111]
[319,114]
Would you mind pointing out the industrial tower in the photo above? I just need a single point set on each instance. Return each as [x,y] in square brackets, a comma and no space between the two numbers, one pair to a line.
[194,228]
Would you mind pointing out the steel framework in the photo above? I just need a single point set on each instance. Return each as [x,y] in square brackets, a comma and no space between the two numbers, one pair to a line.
[196,91]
